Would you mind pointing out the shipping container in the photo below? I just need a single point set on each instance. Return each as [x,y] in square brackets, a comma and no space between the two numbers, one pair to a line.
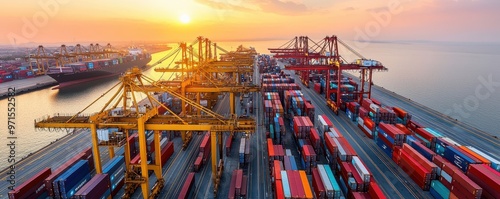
[166,153]
[361,169]
[33,187]
[238,183]
[286,185]
[229,142]
[335,185]
[438,190]
[244,186]
[66,185]
[279,190]
[305,183]
[459,159]
[374,190]
[495,164]
[188,188]
[319,188]
[487,178]
[115,168]
[98,187]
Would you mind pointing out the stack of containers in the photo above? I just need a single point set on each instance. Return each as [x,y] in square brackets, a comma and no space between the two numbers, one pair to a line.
[388,136]
[132,140]
[166,153]
[366,125]
[441,144]
[416,166]
[229,143]
[330,148]
[353,110]
[464,186]
[424,151]
[66,185]
[308,158]
[49,181]
[317,183]
[425,136]
[363,172]
[387,115]
[98,187]
[494,163]
[115,169]
[33,187]
[309,110]
[315,140]
[459,158]
[438,190]
[241,151]
[289,96]
[203,152]
[345,152]
[487,178]
[302,127]
[331,186]
[323,124]
[374,190]
[402,116]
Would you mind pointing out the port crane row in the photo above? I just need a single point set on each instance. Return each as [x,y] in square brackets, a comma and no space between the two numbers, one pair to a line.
[39,58]
[201,73]
[323,56]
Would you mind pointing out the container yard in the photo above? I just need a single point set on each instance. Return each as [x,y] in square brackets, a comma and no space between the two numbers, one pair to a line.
[270,126]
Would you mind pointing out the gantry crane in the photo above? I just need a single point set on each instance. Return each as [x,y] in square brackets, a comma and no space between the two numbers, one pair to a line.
[131,118]
[324,56]
[64,55]
[205,66]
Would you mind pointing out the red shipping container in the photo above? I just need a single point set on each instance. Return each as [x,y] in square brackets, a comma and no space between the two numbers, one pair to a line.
[298,184]
[238,183]
[426,135]
[167,152]
[319,188]
[291,183]
[30,187]
[403,129]
[485,177]
[428,165]
[396,157]
[415,171]
[464,193]
[374,190]
[358,195]
[315,139]
[277,170]
[331,146]
[279,190]
[445,182]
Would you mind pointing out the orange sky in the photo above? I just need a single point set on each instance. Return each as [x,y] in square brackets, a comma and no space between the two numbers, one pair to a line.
[63,21]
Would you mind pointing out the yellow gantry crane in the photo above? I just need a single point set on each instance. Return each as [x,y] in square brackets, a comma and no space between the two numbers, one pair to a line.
[142,116]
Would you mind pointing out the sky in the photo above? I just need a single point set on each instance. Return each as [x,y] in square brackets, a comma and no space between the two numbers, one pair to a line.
[60,21]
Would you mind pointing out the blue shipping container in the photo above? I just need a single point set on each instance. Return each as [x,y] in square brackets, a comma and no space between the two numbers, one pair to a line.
[115,168]
[455,157]
[73,179]
[422,151]
[293,163]
[387,150]
[286,186]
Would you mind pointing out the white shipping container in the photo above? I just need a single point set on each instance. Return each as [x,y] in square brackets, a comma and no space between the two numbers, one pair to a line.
[446,176]
[495,164]
[288,152]
[360,121]
[341,152]
[450,141]
[326,181]
[375,108]
[337,134]
[362,171]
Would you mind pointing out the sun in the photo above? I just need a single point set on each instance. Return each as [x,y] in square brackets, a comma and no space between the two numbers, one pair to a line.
[184,18]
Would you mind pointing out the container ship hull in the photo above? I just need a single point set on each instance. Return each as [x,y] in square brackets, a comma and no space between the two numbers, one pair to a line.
[66,79]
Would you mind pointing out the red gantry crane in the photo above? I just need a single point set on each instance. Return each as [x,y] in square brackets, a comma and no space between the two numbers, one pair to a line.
[308,55]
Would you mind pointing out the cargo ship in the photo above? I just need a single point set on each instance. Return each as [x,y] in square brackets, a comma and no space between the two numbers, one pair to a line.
[86,71]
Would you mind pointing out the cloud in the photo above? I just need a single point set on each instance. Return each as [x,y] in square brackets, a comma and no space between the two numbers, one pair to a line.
[280,7]
[349,9]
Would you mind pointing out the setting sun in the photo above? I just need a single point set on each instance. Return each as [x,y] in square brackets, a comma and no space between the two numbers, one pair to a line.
[184,18]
